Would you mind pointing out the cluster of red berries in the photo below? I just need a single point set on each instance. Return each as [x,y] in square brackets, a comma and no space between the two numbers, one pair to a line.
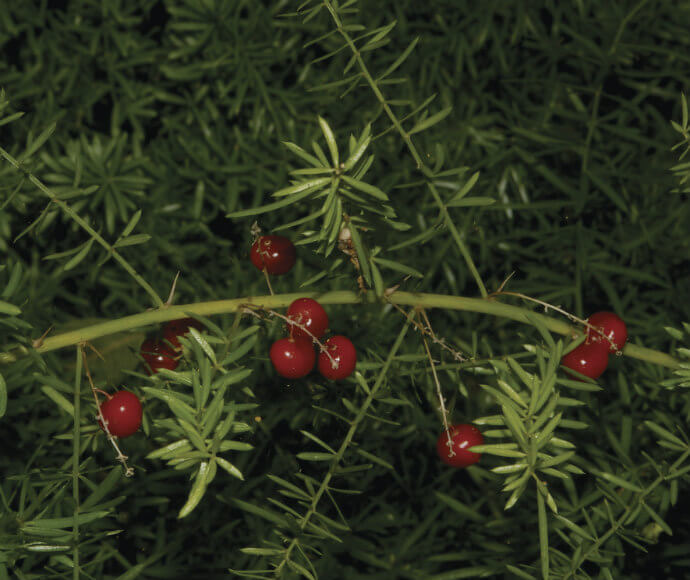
[164,353]
[293,357]
[592,357]
[122,411]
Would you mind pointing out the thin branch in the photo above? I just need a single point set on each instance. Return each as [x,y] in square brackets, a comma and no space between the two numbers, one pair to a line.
[417,300]
[425,329]
[565,313]
[268,281]
[121,457]
[439,394]
[85,226]
[76,447]
[410,145]
[171,296]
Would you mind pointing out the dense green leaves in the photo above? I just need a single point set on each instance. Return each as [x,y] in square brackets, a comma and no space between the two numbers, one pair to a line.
[403,146]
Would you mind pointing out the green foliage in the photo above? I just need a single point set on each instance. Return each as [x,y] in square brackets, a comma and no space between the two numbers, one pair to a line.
[416,153]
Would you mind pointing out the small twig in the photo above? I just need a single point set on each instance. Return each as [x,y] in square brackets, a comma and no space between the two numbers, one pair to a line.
[393,289]
[440,341]
[268,281]
[39,341]
[439,394]
[548,307]
[426,330]
[95,350]
[169,301]
[121,457]
[248,310]
[500,288]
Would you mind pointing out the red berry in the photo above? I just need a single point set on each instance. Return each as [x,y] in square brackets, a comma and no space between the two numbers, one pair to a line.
[158,355]
[176,328]
[293,358]
[343,352]
[462,437]
[122,414]
[589,359]
[613,327]
[274,253]
[310,314]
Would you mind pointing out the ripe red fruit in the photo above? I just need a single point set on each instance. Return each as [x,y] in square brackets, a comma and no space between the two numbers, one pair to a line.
[310,314]
[343,352]
[122,414]
[293,358]
[589,359]
[613,327]
[174,329]
[463,437]
[158,355]
[275,254]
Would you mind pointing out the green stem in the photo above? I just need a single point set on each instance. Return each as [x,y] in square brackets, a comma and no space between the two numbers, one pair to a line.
[418,300]
[601,540]
[458,240]
[76,439]
[337,458]
[157,301]
[410,145]
[543,536]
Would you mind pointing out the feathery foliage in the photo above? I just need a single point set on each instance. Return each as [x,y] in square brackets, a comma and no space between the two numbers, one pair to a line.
[418,154]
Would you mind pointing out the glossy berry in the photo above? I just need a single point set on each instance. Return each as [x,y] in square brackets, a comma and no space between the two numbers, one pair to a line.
[293,358]
[122,414]
[310,314]
[174,329]
[613,326]
[463,437]
[343,352]
[158,355]
[276,254]
[589,359]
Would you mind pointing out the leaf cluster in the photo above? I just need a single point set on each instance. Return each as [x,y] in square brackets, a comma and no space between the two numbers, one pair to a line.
[431,147]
